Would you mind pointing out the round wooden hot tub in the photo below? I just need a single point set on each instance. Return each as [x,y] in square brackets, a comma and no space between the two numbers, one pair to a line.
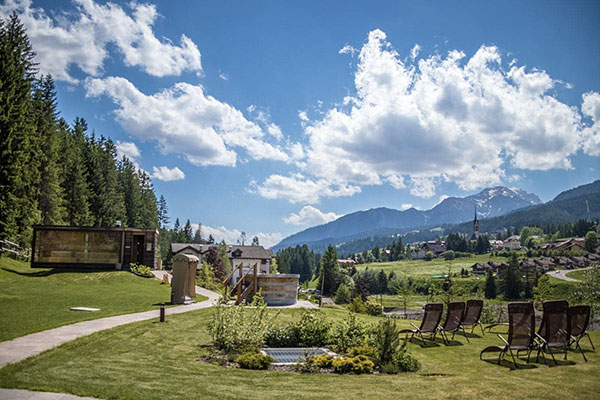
[279,289]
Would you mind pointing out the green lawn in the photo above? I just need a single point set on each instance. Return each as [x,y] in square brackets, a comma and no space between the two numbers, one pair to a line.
[150,360]
[421,269]
[33,300]
[579,275]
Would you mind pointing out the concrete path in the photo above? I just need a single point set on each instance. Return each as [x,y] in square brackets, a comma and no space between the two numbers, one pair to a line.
[16,394]
[562,274]
[212,296]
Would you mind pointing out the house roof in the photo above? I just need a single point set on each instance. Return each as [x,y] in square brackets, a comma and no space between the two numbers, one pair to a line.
[253,252]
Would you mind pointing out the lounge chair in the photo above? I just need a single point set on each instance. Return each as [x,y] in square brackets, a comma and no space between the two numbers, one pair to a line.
[554,332]
[454,319]
[429,324]
[579,317]
[521,329]
[473,315]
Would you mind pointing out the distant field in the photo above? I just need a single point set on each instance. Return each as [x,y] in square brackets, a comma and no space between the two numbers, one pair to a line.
[425,269]
[32,300]
[147,361]
[579,275]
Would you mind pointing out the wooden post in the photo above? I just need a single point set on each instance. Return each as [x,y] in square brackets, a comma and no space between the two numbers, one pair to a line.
[255,278]
[239,285]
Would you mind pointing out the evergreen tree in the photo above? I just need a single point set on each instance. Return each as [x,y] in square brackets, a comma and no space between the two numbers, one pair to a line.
[112,204]
[50,194]
[198,235]
[188,234]
[224,256]
[163,212]
[19,143]
[511,281]
[75,184]
[255,241]
[382,281]
[149,210]
[329,279]
[132,194]
[490,285]
[211,239]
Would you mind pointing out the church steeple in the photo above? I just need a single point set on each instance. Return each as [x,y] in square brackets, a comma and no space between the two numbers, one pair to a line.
[475,225]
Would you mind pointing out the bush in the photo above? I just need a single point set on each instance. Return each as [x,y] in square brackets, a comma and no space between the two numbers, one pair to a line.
[282,336]
[312,330]
[142,270]
[402,361]
[237,327]
[373,308]
[348,333]
[323,361]
[342,295]
[254,361]
[365,350]
[356,365]
[206,277]
[358,306]
[386,339]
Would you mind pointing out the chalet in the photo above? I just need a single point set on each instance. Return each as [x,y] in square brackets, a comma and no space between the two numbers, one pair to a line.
[244,256]
[496,244]
[593,257]
[497,266]
[512,243]
[437,248]
[528,264]
[563,262]
[574,244]
[580,261]
[482,268]
[93,247]
[544,264]
[417,254]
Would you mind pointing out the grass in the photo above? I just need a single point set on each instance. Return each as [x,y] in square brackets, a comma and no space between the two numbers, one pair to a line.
[579,275]
[150,360]
[421,269]
[34,300]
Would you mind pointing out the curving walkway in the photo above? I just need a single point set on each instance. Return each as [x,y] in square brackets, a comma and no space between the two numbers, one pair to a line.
[562,274]
[17,394]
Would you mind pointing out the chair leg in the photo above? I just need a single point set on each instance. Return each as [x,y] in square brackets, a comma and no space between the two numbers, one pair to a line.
[580,350]
[552,354]
[481,326]
[513,358]
[590,339]
[465,334]
[528,354]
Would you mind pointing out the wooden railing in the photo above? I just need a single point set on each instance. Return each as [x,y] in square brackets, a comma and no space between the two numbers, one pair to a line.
[249,290]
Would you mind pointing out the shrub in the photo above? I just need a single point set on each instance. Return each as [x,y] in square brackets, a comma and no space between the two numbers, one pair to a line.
[356,365]
[348,333]
[365,350]
[342,295]
[358,306]
[402,361]
[373,308]
[282,336]
[142,270]
[206,277]
[323,361]
[313,328]
[254,361]
[386,339]
[236,327]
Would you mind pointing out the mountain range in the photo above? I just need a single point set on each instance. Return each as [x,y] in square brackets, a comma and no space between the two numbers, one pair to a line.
[489,203]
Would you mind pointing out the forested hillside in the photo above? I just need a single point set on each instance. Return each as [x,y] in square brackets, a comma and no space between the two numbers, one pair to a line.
[53,172]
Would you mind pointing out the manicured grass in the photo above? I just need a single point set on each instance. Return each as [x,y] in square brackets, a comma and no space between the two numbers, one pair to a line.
[579,275]
[150,360]
[422,269]
[33,300]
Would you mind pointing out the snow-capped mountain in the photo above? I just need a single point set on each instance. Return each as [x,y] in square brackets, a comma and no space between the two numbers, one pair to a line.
[489,203]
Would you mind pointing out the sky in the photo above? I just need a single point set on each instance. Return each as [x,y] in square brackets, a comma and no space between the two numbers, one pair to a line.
[268,117]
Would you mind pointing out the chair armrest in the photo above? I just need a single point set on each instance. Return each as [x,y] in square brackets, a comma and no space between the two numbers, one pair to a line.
[414,326]
[504,340]
[540,338]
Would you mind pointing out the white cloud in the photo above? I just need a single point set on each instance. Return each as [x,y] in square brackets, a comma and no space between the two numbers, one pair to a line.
[167,174]
[231,236]
[442,198]
[310,216]
[129,150]
[184,120]
[81,37]
[591,134]
[442,119]
[414,52]
[347,49]
[303,116]
[298,189]
[405,206]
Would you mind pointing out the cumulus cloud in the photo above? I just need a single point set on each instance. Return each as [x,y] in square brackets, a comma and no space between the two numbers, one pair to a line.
[406,206]
[309,216]
[231,236]
[443,119]
[185,120]
[299,189]
[591,134]
[167,174]
[129,150]
[81,37]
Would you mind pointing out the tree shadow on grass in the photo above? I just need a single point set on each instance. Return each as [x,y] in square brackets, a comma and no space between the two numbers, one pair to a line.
[506,363]
[426,343]
[53,271]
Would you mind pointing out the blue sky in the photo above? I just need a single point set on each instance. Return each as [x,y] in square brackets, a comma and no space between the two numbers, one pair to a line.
[269,117]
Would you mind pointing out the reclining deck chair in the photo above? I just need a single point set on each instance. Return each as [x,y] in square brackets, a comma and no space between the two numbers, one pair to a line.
[454,319]
[554,332]
[579,317]
[521,329]
[473,315]
[430,322]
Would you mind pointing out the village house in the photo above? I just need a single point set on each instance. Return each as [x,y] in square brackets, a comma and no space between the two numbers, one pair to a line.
[544,264]
[482,268]
[580,261]
[512,242]
[436,247]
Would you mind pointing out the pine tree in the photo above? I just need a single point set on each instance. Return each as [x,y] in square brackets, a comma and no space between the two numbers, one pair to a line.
[163,212]
[149,210]
[75,184]
[132,195]
[112,203]
[19,143]
[511,281]
[188,233]
[198,235]
[329,279]
[490,285]
[50,195]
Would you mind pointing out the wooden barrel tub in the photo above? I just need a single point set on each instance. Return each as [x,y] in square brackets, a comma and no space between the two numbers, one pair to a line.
[279,289]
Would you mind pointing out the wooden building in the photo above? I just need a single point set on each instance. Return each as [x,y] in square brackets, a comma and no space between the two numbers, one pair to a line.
[75,247]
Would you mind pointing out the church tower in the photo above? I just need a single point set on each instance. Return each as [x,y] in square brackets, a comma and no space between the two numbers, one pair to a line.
[475,226]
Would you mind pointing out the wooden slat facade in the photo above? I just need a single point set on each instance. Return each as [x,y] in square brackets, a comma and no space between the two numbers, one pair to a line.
[74,247]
